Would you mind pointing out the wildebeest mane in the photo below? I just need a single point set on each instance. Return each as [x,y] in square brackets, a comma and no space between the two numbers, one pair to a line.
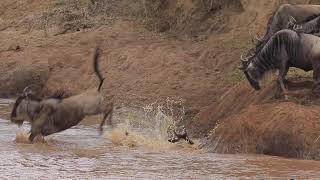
[96,66]
[268,58]
[264,40]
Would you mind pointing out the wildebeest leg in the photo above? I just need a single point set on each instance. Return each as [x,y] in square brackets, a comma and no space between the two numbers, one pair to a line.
[109,122]
[282,73]
[316,78]
[36,129]
[32,136]
[108,112]
[38,123]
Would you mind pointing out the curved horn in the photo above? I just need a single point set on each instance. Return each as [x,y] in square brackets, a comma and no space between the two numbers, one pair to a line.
[292,20]
[252,52]
[244,59]
[253,38]
[27,90]
[258,37]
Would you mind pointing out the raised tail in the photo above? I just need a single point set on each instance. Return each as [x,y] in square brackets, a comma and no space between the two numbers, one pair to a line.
[96,57]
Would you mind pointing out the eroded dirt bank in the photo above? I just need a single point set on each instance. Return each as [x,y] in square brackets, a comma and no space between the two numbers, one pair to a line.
[267,124]
[158,49]
[282,129]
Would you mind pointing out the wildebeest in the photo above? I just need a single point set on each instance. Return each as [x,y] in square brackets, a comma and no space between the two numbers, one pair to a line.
[285,49]
[58,114]
[303,18]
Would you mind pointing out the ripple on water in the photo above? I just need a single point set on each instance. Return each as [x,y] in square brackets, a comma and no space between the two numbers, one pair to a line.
[80,153]
[6,101]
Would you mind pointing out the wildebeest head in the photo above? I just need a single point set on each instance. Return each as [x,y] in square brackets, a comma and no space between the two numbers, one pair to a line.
[251,71]
[25,107]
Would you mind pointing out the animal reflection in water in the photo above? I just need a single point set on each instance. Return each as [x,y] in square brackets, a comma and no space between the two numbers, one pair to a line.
[57,113]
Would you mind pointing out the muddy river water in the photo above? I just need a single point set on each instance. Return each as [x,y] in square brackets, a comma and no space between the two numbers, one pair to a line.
[81,153]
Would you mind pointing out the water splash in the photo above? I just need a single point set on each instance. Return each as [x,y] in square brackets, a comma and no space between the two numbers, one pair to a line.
[22,137]
[148,126]
[138,139]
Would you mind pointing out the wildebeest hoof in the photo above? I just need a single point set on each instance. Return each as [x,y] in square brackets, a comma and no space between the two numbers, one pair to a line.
[31,138]
[20,124]
[100,132]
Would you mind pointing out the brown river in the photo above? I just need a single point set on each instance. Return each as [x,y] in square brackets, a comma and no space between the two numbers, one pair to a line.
[81,153]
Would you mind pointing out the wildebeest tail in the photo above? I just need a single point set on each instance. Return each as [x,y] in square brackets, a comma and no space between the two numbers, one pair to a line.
[97,54]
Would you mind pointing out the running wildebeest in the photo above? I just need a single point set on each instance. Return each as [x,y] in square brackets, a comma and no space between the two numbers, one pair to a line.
[285,49]
[54,115]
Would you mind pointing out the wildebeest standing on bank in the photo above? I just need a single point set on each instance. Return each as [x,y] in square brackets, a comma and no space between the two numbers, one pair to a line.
[302,18]
[56,115]
[286,17]
[285,49]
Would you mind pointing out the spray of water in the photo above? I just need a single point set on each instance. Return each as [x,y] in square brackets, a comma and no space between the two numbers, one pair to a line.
[150,126]
[22,137]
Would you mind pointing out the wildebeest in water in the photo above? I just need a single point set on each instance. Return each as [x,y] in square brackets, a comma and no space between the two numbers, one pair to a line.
[27,105]
[52,115]
[285,49]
